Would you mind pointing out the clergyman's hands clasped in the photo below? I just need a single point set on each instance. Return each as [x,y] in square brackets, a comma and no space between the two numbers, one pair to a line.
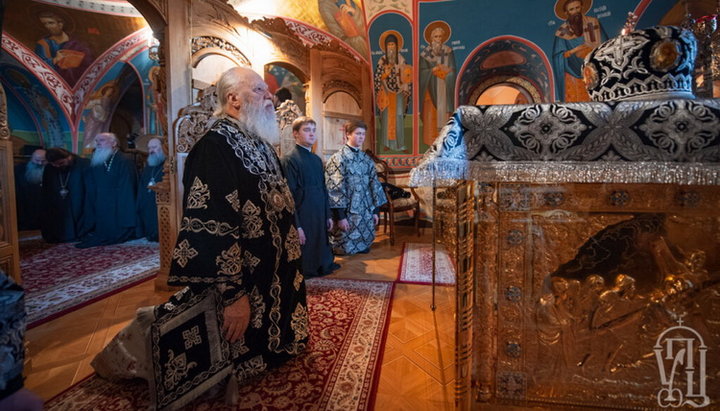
[301,234]
[237,318]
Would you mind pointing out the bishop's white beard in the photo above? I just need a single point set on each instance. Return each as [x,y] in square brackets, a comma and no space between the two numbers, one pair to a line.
[436,47]
[262,121]
[155,159]
[100,155]
[33,173]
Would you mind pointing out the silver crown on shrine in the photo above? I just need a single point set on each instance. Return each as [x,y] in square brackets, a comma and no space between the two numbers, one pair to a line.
[654,63]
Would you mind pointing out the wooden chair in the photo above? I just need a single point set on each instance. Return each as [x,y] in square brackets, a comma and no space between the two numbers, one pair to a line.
[391,207]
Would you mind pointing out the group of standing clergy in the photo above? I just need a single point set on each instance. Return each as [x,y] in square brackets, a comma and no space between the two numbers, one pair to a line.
[95,201]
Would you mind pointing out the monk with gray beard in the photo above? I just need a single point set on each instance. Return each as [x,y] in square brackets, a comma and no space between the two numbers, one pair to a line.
[111,183]
[28,179]
[146,203]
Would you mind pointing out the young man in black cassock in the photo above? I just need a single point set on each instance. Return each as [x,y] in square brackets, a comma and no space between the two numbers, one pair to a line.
[63,197]
[111,182]
[306,178]
[147,223]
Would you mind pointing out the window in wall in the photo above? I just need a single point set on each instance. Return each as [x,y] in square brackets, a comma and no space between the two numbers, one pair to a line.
[503,94]
[338,108]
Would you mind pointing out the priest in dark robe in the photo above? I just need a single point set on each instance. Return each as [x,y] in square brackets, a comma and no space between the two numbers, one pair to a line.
[111,182]
[146,206]
[28,181]
[238,245]
[306,178]
[355,193]
[63,197]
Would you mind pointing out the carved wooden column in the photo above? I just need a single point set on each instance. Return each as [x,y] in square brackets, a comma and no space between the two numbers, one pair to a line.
[175,56]
[9,250]
[314,94]
[367,108]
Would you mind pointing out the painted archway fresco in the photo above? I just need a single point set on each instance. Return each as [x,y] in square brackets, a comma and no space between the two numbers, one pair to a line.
[100,105]
[71,54]
[506,59]
[37,116]
[343,19]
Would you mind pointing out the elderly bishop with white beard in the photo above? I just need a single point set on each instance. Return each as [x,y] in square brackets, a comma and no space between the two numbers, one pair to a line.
[244,309]
[110,197]
[147,223]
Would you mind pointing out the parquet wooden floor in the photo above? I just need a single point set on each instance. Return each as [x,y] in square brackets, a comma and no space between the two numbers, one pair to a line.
[417,365]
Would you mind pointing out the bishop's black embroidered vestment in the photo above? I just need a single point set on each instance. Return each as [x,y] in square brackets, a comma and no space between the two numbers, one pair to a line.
[238,234]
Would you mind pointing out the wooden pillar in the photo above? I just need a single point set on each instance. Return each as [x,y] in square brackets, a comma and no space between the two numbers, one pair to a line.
[175,62]
[367,109]
[9,249]
[314,97]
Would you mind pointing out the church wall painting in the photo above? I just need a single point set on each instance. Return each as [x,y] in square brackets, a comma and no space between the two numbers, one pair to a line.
[66,39]
[100,106]
[69,78]
[474,23]
[576,36]
[343,19]
[376,7]
[98,110]
[51,125]
[508,60]
[654,12]
[21,123]
[392,50]
[437,74]
[278,77]
[146,68]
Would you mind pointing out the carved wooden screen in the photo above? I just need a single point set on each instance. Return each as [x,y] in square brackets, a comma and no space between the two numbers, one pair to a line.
[9,252]
[190,126]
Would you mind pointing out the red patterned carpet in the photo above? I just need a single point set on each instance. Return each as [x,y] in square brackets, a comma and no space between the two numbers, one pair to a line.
[416,265]
[339,371]
[59,277]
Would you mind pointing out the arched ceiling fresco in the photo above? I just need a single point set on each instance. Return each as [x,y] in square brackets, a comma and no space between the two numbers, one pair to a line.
[68,50]
[333,24]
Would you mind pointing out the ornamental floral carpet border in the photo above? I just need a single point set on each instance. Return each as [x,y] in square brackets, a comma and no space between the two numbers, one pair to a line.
[339,370]
[416,265]
[59,278]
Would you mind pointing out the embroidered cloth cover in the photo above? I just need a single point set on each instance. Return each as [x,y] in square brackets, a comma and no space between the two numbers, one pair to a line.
[659,141]
[189,326]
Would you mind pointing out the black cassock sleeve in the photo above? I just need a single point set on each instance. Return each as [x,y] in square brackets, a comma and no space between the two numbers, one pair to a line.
[291,169]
